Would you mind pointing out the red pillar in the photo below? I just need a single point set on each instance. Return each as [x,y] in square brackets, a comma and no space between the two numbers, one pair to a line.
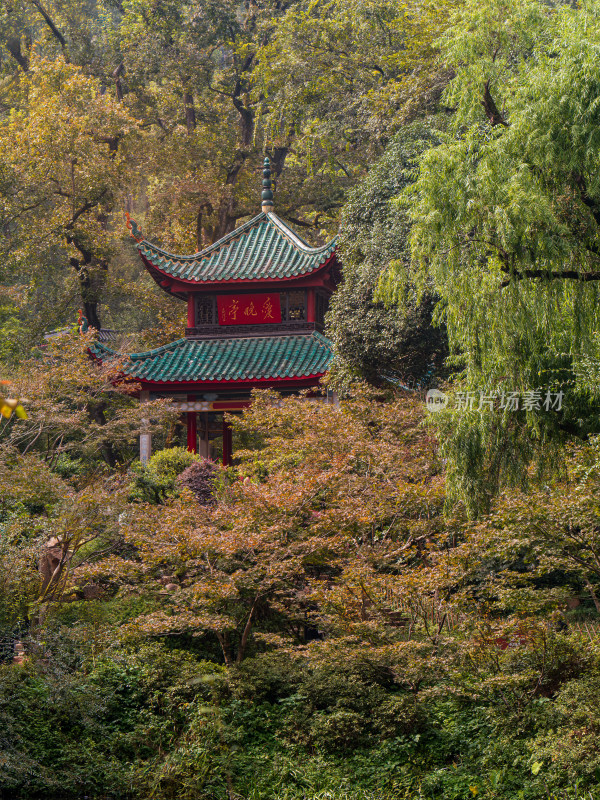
[191,315]
[227,443]
[192,439]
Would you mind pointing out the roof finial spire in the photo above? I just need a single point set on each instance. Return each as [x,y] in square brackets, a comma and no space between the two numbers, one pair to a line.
[267,194]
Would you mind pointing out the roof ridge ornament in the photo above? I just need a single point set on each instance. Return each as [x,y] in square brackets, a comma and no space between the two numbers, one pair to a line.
[134,230]
[267,194]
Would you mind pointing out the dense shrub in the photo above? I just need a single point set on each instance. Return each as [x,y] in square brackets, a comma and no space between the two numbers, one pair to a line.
[101,731]
[157,480]
[199,478]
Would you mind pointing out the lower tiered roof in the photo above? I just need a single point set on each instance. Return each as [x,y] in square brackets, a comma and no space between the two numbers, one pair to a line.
[216,360]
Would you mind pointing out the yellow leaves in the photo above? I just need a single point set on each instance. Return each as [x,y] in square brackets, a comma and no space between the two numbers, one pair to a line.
[10,406]
[62,385]
[58,146]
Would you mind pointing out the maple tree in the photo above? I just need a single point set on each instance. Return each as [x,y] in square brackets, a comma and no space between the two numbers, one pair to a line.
[77,407]
[346,608]
[286,551]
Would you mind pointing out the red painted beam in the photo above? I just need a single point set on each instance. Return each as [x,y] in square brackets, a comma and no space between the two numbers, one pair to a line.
[307,382]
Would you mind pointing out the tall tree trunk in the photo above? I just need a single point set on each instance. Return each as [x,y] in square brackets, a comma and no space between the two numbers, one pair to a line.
[246,126]
[226,218]
[246,634]
[190,111]
[118,85]
[223,639]
[50,23]
[278,157]
[96,412]
[13,45]
[91,280]
[90,312]
[204,233]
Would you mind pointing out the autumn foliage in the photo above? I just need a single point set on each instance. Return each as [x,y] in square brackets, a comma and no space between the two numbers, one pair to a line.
[323,596]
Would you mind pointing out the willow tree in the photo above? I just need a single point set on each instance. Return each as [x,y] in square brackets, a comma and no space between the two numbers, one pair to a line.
[506,216]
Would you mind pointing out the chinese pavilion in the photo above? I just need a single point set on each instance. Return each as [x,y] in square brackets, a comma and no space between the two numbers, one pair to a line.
[256,302]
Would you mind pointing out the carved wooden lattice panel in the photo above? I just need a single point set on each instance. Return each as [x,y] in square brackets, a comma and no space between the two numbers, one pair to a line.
[205,310]
[296,306]
[322,305]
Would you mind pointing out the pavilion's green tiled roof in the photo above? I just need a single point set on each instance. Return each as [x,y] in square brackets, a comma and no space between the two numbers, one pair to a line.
[206,360]
[264,248]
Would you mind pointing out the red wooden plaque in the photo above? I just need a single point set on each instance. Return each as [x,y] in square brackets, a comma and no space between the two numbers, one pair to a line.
[248,309]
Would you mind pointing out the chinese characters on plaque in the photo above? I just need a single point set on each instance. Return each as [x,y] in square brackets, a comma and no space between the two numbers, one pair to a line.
[248,309]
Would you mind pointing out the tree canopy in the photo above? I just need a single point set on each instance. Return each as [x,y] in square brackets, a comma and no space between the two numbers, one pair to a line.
[505,228]
[372,601]
[166,109]
[378,342]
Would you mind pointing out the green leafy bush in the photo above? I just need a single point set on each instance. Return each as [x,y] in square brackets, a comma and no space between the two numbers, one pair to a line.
[112,729]
[157,480]
[68,467]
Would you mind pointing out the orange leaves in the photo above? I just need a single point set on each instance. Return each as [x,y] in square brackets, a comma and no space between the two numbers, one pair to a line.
[333,505]
[76,406]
